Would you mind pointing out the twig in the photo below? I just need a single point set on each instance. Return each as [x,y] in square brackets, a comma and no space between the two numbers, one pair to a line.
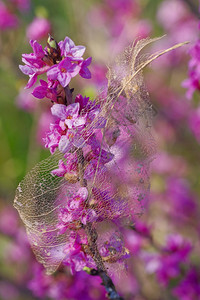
[68,95]
[107,282]
[92,238]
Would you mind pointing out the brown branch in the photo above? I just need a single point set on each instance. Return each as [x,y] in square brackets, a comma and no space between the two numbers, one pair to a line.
[92,238]
[68,95]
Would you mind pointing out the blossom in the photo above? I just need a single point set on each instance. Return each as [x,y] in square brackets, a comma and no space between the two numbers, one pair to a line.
[181,198]
[34,65]
[72,122]
[191,84]
[7,19]
[26,101]
[84,71]
[167,264]
[61,61]
[64,71]
[61,171]
[47,90]
[68,49]
[68,114]
[53,137]
[189,287]
[167,13]
[40,283]
[73,210]
[114,248]
[38,29]
[76,258]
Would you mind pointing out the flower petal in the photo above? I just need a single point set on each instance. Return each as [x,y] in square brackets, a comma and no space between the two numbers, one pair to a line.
[59,110]
[32,81]
[64,145]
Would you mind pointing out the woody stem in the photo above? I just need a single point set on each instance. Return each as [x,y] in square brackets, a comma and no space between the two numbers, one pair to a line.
[92,239]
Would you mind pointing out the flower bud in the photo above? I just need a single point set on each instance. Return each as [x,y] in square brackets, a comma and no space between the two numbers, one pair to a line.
[53,49]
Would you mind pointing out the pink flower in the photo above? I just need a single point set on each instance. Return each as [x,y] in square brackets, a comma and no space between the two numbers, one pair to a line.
[64,71]
[191,84]
[71,215]
[189,287]
[71,125]
[167,13]
[7,19]
[62,169]
[38,29]
[84,71]
[26,101]
[61,66]
[34,64]
[53,137]
[47,90]
[75,256]
[68,49]
[167,264]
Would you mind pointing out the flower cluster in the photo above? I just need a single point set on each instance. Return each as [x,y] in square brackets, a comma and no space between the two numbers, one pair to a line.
[76,253]
[74,215]
[70,128]
[61,62]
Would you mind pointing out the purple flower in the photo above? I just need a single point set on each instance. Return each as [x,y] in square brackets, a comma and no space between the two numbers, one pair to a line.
[68,49]
[167,264]
[64,71]
[53,137]
[189,287]
[40,282]
[47,90]
[114,247]
[71,215]
[60,71]
[72,123]
[8,221]
[34,64]
[167,13]
[61,171]
[75,256]
[66,113]
[181,198]
[191,84]
[84,71]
